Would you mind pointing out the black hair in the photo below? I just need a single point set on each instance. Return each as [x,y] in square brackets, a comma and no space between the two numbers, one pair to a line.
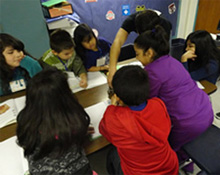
[6,73]
[146,20]
[205,48]
[155,39]
[131,85]
[61,40]
[52,119]
[83,33]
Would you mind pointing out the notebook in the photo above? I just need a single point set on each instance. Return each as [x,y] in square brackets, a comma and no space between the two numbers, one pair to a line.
[14,107]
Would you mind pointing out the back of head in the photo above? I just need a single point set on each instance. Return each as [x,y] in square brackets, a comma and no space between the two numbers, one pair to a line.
[146,20]
[130,83]
[52,117]
[83,33]
[205,46]
[61,40]
[155,39]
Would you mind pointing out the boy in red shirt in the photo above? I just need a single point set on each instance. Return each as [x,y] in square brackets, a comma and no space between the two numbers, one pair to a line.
[138,126]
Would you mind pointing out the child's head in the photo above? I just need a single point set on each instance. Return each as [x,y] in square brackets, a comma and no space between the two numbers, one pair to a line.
[62,44]
[11,51]
[146,20]
[202,44]
[151,45]
[55,117]
[85,37]
[131,85]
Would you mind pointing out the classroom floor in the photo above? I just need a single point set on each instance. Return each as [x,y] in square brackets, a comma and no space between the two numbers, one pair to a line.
[98,159]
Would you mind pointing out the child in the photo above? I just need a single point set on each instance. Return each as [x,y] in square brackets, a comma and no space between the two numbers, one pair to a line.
[62,55]
[94,51]
[16,66]
[202,57]
[138,126]
[188,106]
[52,127]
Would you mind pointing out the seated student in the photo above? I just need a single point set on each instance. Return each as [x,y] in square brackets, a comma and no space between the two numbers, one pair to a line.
[52,126]
[62,55]
[188,106]
[138,126]
[16,65]
[202,57]
[93,51]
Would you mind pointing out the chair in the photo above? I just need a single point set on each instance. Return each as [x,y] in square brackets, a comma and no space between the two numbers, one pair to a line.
[127,52]
[177,48]
[205,150]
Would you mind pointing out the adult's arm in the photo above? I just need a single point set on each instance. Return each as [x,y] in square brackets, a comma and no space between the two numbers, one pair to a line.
[119,40]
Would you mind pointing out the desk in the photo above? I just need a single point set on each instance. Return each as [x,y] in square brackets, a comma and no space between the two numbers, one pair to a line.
[96,95]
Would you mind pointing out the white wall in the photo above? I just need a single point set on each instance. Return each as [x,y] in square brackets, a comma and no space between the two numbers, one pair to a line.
[187,17]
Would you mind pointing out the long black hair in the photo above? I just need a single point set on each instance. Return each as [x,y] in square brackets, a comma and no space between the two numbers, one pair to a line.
[205,50]
[155,39]
[83,33]
[6,73]
[52,120]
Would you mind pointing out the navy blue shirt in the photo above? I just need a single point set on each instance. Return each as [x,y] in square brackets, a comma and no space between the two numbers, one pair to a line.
[92,56]
[209,73]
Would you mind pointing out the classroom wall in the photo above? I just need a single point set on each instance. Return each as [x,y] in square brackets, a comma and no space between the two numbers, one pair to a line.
[24,20]
[186,17]
[94,14]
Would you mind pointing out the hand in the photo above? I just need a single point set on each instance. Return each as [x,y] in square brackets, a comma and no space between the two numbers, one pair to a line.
[188,55]
[91,130]
[83,83]
[115,100]
[83,80]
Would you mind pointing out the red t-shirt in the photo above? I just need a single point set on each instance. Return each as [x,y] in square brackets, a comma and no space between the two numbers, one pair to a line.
[141,138]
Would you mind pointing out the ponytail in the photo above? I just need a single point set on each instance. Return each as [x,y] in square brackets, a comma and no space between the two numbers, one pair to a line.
[157,39]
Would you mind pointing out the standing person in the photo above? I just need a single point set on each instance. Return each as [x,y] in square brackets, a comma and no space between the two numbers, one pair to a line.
[188,106]
[52,126]
[202,57]
[137,22]
[93,51]
[16,65]
[62,55]
[138,126]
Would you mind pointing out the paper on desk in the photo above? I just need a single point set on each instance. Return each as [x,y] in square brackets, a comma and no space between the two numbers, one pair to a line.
[136,63]
[94,79]
[12,161]
[95,113]
[200,86]
[16,105]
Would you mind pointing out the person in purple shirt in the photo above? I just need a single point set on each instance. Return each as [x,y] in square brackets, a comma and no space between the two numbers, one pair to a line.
[188,106]
[202,57]
[93,51]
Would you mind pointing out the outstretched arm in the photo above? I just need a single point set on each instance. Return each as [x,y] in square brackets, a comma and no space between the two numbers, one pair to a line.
[120,39]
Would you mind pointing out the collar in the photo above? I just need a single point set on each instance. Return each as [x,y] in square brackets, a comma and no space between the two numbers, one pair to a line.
[139,107]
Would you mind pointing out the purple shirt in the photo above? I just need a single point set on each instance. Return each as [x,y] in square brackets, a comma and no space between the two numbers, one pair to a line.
[188,106]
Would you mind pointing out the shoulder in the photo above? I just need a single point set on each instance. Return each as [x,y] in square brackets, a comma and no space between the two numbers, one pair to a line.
[129,23]
[49,58]
[156,102]
[28,61]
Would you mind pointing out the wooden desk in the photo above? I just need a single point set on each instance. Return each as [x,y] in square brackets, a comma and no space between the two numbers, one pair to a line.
[209,87]
[86,98]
